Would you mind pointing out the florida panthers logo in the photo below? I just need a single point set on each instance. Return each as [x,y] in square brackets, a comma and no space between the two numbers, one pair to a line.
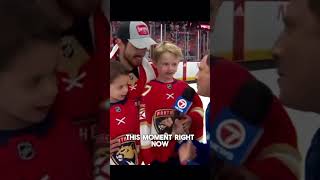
[163,121]
[126,155]
[132,79]
[26,150]
[126,152]
[164,125]
[74,56]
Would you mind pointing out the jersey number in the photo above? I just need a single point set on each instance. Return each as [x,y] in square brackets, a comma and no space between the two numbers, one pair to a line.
[148,89]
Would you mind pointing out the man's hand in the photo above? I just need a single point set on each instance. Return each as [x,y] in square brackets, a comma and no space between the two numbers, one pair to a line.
[186,123]
[187,152]
[182,126]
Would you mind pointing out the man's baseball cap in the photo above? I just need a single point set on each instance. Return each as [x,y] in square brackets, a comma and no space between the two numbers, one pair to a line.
[137,33]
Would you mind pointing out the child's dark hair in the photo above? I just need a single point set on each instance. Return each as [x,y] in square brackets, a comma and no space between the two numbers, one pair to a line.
[22,23]
[123,33]
[117,69]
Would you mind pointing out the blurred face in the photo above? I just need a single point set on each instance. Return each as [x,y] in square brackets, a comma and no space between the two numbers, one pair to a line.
[64,11]
[54,11]
[167,66]
[214,7]
[130,56]
[298,52]
[28,85]
[79,7]
[119,88]
[203,78]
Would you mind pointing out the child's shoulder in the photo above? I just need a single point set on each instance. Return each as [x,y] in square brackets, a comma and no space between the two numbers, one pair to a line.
[34,131]
[180,82]
[155,85]
[42,135]
[127,103]
[153,82]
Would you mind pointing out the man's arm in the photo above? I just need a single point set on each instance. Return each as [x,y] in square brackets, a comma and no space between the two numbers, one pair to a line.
[196,113]
[276,156]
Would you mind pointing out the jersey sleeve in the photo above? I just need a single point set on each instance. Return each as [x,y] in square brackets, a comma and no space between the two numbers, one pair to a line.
[196,113]
[145,121]
[277,148]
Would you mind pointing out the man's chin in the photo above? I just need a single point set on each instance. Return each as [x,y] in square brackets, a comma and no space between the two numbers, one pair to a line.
[200,92]
[293,102]
[295,106]
[285,99]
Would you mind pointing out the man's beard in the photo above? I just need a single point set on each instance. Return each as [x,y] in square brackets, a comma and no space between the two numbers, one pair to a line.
[127,58]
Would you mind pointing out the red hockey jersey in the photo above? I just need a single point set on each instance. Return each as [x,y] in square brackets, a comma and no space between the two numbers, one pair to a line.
[276,155]
[139,77]
[156,117]
[48,150]
[124,121]
[82,80]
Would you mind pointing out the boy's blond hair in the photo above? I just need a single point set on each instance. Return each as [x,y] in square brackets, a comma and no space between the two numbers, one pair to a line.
[164,47]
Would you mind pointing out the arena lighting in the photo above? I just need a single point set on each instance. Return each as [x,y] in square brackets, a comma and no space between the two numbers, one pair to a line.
[204,26]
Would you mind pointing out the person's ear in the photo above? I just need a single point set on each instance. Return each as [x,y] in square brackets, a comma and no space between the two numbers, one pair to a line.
[120,43]
[154,62]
